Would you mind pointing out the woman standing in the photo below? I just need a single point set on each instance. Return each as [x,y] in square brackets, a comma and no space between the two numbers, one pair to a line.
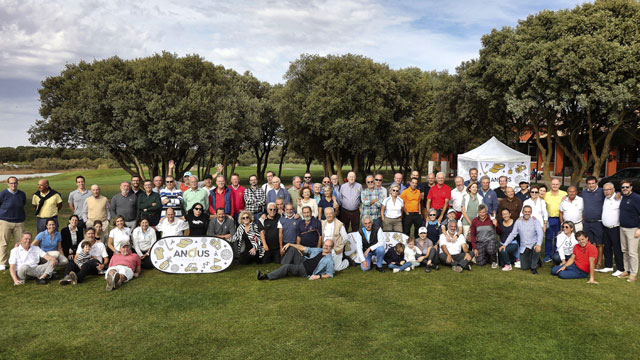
[328,200]
[470,202]
[143,239]
[306,199]
[391,210]
[249,240]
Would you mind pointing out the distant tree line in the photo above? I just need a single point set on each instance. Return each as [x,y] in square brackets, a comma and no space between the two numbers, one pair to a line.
[571,76]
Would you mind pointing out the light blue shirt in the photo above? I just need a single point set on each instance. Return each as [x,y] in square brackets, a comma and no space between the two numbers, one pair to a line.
[46,243]
[530,232]
[325,266]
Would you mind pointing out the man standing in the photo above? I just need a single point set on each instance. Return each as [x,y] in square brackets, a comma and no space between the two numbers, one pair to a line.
[530,232]
[335,183]
[96,207]
[371,199]
[426,187]
[483,238]
[222,226]
[629,230]
[553,199]
[267,186]
[397,180]
[272,234]
[294,190]
[254,198]
[149,204]
[611,231]
[207,183]
[350,202]
[523,194]
[195,195]
[501,191]
[307,180]
[412,209]
[571,208]
[237,195]
[439,196]
[221,197]
[456,196]
[378,185]
[309,231]
[24,261]
[473,177]
[489,196]
[277,191]
[135,185]
[157,184]
[582,262]
[593,200]
[317,264]
[125,204]
[77,198]
[12,216]
[171,197]
[47,202]
[511,203]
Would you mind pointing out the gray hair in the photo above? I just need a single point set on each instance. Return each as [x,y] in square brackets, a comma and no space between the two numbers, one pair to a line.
[296,177]
[193,176]
[366,217]
[609,183]
[271,203]
[485,177]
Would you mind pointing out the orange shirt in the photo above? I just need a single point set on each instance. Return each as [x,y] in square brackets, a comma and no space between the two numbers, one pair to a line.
[411,199]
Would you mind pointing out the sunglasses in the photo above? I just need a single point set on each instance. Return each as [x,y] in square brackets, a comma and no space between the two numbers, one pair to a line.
[169,182]
[567,227]
[533,192]
[307,177]
[432,214]
[378,179]
[245,218]
[369,182]
[625,187]
[199,209]
[394,190]
[271,209]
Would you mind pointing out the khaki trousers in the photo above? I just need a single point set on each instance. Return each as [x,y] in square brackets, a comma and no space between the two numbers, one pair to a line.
[7,230]
[629,244]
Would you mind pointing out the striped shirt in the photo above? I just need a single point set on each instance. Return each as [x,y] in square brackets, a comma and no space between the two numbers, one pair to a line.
[175,200]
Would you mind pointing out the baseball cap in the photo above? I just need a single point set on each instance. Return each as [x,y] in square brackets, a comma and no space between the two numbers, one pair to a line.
[451,211]
[187,173]
[422,230]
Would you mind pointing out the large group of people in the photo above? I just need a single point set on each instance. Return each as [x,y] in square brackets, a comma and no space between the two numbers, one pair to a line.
[305,227]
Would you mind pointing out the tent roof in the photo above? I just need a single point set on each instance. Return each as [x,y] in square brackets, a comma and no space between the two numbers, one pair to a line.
[494,150]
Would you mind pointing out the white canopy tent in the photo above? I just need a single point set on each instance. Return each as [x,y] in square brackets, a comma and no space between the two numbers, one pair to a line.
[495,159]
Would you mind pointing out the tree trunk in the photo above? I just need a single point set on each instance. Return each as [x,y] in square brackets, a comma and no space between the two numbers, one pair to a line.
[307,161]
[337,159]
[283,153]
[600,158]
[546,155]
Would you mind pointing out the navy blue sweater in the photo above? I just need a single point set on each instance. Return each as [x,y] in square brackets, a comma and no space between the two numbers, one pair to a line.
[12,206]
[593,201]
[392,257]
[630,211]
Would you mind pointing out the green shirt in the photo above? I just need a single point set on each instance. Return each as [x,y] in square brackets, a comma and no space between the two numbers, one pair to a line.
[146,203]
[190,198]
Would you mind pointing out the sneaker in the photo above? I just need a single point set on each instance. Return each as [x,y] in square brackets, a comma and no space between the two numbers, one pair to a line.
[547,259]
[457,269]
[73,277]
[407,269]
[473,260]
[506,268]
[380,269]
[396,270]
[110,280]
[437,267]
[534,271]
[65,281]
[44,281]
[413,267]
[119,281]
[617,273]
[605,270]
[468,267]
[427,269]
[3,267]
[494,265]
[517,264]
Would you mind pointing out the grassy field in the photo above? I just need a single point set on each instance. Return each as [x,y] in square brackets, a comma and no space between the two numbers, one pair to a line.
[483,314]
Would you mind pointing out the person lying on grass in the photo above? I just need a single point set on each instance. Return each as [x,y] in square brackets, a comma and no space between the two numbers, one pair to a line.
[582,262]
[302,261]
[123,267]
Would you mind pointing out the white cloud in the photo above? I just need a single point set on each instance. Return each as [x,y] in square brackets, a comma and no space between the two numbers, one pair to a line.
[37,38]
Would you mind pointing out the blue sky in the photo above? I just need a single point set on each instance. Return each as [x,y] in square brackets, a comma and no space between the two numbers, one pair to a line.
[38,38]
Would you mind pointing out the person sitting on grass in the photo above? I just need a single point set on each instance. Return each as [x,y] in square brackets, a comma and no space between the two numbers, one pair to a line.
[412,253]
[430,252]
[530,232]
[454,250]
[24,261]
[394,257]
[81,258]
[370,244]
[565,242]
[582,262]
[302,261]
[123,267]
[50,241]
[249,240]
[98,263]
[508,255]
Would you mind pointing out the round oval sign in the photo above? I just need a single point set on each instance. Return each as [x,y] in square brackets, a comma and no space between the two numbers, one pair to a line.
[191,254]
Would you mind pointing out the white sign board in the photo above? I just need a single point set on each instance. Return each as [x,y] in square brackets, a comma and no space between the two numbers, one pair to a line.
[191,254]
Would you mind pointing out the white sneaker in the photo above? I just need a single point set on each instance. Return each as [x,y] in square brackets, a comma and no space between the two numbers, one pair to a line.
[3,267]
[617,273]
[407,269]
[605,270]
[396,270]
[517,265]
[494,265]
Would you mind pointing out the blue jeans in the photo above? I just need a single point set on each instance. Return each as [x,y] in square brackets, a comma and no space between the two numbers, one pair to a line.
[553,229]
[401,267]
[571,272]
[379,253]
[557,260]
[509,255]
[377,222]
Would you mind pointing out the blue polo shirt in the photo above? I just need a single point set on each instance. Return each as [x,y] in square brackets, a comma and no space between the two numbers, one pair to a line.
[48,243]
[490,199]
[289,230]
[593,201]
[630,211]
[12,206]
[309,233]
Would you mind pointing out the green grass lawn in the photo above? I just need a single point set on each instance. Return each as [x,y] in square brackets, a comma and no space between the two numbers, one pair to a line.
[483,314]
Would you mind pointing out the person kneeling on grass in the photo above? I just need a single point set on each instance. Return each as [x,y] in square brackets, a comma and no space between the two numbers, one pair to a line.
[530,232]
[302,261]
[428,250]
[24,260]
[454,250]
[394,257]
[124,266]
[582,263]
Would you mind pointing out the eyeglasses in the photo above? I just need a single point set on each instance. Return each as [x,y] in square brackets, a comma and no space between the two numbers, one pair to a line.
[378,179]
[369,182]
[432,214]
[169,182]
[245,218]
[394,190]
[533,192]
[608,189]
[625,187]
[13,183]
[567,227]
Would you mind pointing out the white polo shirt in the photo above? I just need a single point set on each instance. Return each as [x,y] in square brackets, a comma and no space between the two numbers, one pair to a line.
[393,210]
[19,256]
[456,198]
[176,228]
[120,235]
[611,212]
[572,210]
[454,248]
